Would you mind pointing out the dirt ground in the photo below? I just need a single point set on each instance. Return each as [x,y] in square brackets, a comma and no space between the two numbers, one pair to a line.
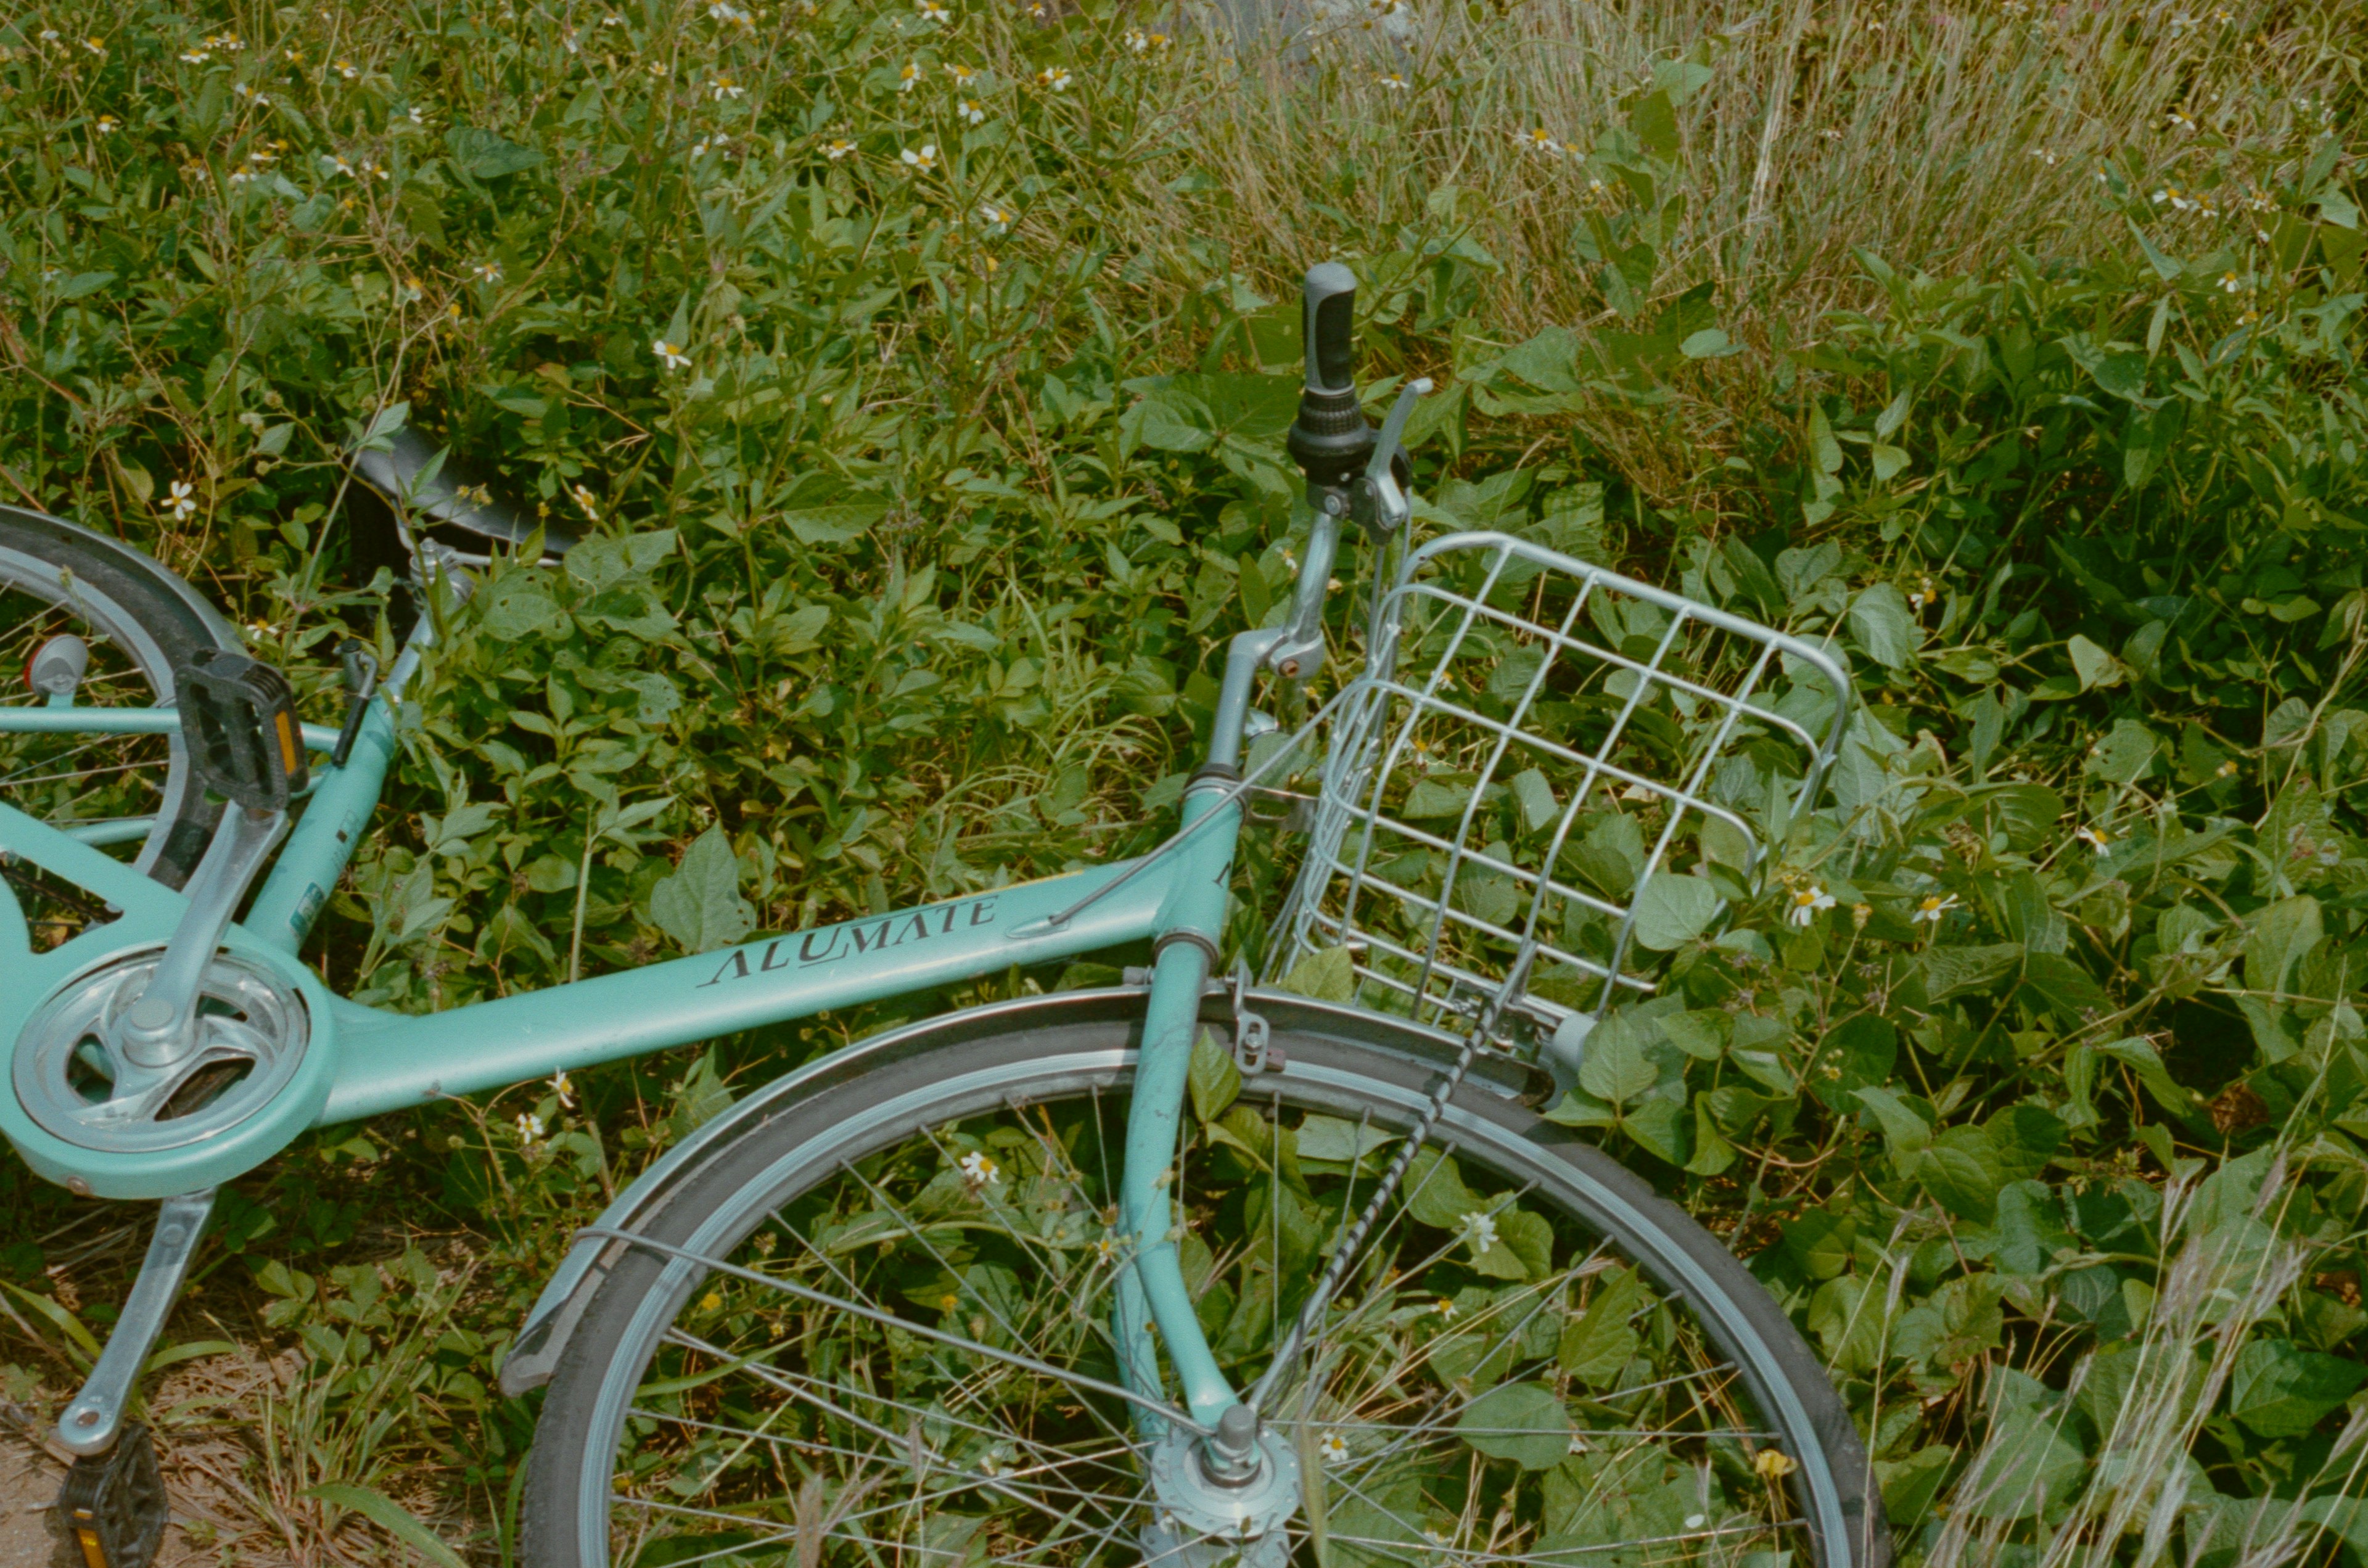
[33,1536]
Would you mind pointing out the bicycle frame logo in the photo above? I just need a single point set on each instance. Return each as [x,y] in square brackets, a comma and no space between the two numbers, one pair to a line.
[853,939]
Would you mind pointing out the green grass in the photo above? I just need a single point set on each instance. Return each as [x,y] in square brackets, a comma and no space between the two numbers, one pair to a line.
[2017,346]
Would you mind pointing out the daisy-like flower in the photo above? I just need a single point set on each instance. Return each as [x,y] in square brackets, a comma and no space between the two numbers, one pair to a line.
[1480,1230]
[228,43]
[2094,837]
[934,13]
[1807,899]
[2180,122]
[979,1170]
[564,1089]
[726,87]
[1106,1248]
[348,70]
[1932,907]
[728,14]
[107,125]
[195,57]
[993,218]
[2225,770]
[1437,1537]
[585,501]
[1056,77]
[1773,1464]
[2231,284]
[338,164]
[923,157]
[1394,80]
[612,20]
[1445,1309]
[2045,156]
[1539,139]
[1924,595]
[970,110]
[669,355]
[183,501]
[415,116]
[372,170]
[1332,1446]
[530,1127]
[962,74]
[1138,41]
[251,95]
[837,148]
[707,144]
[909,77]
[93,46]
[486,272]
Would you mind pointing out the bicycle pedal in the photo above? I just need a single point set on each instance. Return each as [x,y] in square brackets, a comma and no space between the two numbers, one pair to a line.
[239,718]
[114,1503]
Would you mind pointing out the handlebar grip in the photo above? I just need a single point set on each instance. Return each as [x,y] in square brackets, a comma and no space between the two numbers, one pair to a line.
[1327,328]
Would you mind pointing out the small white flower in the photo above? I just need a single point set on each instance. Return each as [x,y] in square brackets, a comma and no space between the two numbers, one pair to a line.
[95,46]
[923,157]
[934,13]
[994,218]
[1696,1521]
[585,500]
[413,116]
[669,355]
[2180,121]
[837,149]
[2044,155]
[183,502]
[1445,1309]
[565,1090]
[909,77]
[107,125]
[1480,1230]
[612,20]
[707,144]
[722,12]
[2231,284]
[346,69]
[1394,80]
[1538,141]
[726,87]
[962,75]
[338,164]
[1138,41]
[530,1127]
[1332,1446]
[2094,837]
[1807,899]
[1932,907]
[970,110]
[1054,77]
[486,272]
[49,35]
[1106,1248]
[979,1170]
[194,57]
[251,95]
[1437,1537]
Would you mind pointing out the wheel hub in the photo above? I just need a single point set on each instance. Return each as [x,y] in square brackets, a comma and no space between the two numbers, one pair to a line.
[78,1081]
[1204,1518]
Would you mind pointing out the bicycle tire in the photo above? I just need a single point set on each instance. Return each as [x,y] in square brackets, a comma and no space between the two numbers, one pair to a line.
[151,621]
[746,1184]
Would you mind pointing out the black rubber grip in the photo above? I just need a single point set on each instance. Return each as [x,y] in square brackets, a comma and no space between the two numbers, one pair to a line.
[1328,327]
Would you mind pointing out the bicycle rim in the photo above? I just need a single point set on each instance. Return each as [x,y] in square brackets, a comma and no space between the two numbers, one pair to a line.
[1502,1379]
[132,795]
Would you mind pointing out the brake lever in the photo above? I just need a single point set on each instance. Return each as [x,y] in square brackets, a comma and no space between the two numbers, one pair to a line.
[1378,498]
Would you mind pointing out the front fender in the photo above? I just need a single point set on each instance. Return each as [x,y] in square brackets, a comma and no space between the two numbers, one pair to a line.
[535,1354]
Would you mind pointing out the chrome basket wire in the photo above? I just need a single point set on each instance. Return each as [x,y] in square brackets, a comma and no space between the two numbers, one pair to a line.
[1532,741]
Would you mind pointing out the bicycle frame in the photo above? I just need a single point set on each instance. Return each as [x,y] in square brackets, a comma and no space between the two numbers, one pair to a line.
[361,1060]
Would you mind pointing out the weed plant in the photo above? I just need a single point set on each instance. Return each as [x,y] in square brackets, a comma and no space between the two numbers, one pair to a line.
[918,375]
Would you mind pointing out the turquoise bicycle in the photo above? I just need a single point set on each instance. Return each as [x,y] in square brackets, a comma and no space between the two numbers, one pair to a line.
[1189,1270]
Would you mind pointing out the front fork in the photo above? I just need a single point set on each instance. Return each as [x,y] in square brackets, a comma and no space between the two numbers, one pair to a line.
[1191,924]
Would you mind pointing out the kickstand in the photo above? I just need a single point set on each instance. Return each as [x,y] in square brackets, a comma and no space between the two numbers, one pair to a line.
[114,1497]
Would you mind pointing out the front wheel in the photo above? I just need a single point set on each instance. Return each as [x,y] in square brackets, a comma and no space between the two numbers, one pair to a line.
[1536,1360]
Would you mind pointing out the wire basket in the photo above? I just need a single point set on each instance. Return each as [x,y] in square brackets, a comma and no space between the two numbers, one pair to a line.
[1548,776]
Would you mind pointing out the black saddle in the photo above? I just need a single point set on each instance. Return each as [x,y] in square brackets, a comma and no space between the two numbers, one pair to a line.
[393,509]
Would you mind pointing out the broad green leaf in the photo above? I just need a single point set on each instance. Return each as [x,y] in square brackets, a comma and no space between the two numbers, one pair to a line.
[1962,1170]
[485,156]
[1213,1078]
[2030,1458]
[1950,971]
[1673,910]
[1336,1142]
[1521,1422]
[1615,1065]
[2282,1390]
[1904,1131]
[1879,620]
[1597,1343]
[1540,809]
[2276,938]
[1435,1193]
[1328,976]
[700,905]
[834,524]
